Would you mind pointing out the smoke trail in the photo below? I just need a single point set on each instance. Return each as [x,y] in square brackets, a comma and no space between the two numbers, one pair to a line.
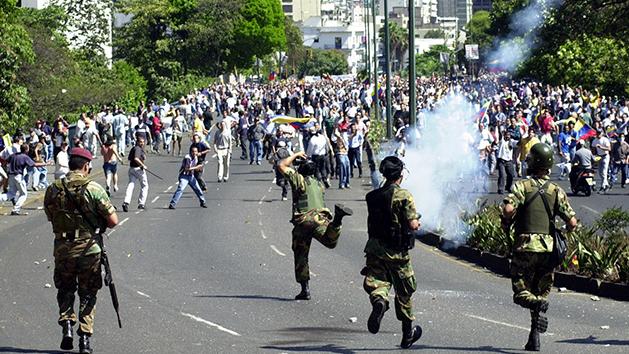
[522,40]
[443,166]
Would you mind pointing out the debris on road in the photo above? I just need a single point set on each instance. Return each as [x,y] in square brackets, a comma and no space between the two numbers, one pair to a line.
[562,290]
[595,298]
[353,319]
[604,327]
[47,285]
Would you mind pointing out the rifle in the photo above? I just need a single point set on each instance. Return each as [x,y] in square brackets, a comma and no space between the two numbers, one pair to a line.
[109,281]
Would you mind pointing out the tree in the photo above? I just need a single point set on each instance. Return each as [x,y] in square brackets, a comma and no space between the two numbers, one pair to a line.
[428,63]
[398,37]
[478,31]
[324,61]
[15,49]
[258,31]
[295,49]
[435,33]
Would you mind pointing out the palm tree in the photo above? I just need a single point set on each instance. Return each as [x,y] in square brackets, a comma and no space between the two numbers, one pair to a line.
[398,36]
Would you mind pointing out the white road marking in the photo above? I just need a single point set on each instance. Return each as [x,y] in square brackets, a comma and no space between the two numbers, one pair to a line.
[270,189]
[259,212]
[277,251]
[212,324]
[262,199]
[167,189]
[123,221]
[143,294]
[263,235]
[313,274]
[503,323]
[590,209]
[155,199]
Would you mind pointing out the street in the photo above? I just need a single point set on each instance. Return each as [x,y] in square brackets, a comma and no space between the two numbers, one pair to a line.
[220,280]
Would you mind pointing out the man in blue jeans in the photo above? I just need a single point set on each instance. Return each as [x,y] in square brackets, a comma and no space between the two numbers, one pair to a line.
[255,135]
[189,164]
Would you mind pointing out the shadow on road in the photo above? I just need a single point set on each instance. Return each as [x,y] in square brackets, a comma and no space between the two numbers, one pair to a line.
[246,297]
[333,348]
[25,350]
[595,340]
[262,172]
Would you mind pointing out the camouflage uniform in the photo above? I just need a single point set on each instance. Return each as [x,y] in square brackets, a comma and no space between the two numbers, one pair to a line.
[76,265]
[531,277]
[386,266]
[310,220]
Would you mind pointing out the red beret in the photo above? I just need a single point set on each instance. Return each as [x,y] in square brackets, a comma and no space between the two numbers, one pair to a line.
[77,151]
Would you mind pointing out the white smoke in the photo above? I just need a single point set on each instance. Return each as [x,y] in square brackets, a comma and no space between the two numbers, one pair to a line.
[522,40]
[443,167]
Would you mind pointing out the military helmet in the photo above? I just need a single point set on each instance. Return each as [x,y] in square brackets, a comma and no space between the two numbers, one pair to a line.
[306,167]
[540,157]
[391,167]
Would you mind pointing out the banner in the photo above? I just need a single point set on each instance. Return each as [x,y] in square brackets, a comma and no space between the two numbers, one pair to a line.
[471,51]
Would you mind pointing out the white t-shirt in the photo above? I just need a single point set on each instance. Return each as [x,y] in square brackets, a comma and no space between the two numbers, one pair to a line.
[604,142]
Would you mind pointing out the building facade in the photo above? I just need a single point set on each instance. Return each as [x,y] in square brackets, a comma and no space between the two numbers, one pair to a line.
[479,5]
[301,10]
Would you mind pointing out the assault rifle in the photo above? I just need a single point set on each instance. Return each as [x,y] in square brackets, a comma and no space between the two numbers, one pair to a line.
[109,280]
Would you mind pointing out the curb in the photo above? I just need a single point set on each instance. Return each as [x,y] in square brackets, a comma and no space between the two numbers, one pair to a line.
[501,265]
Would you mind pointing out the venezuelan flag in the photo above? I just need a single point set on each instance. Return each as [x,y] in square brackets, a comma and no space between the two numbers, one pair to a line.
[481,116]
[297,123]
[583,130]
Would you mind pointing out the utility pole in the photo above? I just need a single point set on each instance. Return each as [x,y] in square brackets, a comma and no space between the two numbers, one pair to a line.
[387,63]
[412,101]
[367,38]
[375,60]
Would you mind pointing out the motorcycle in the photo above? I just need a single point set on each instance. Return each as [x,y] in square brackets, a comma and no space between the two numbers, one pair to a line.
[584,182]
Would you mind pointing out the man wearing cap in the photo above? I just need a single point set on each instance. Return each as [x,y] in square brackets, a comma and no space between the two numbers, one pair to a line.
[391,222]
[79,210]
[137,172]
[311,219]
[17,191]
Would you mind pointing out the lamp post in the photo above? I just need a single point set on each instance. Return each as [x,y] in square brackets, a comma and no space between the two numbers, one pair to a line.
[375,59]
[387,63]
[367,43]
[412,101]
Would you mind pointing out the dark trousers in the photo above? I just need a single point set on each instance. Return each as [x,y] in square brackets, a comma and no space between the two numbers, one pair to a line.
[354,159]
[198,175]
[574,174]
[320,172]
[243,146]
[505,167]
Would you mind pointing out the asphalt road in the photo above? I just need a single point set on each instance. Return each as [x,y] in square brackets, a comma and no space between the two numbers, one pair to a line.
[220,280]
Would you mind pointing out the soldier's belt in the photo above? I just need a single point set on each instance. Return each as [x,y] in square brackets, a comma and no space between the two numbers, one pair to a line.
[72,235]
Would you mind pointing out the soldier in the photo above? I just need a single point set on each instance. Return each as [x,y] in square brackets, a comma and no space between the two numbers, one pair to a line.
[391,222]
[75,205]
[531,274]
[311,219]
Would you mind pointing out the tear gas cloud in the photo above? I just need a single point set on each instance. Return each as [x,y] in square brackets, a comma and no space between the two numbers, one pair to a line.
[443,167]
[522,40]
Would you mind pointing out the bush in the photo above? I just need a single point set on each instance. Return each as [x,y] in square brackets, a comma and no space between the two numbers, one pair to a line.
[487,233]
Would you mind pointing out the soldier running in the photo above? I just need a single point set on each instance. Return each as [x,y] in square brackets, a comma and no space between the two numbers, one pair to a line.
[73,205]
[311,219]
[531,274]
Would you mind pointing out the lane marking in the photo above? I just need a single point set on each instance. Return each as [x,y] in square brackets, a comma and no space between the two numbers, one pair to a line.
[259,222]
[137,212]
[590,209]
[270,189]
[263,235]
[261,199]
[440,253]
[142,294]
[155,199]
[259,212]
[212,324]
[277,251]
[123,221]
[168,189]
[503,323]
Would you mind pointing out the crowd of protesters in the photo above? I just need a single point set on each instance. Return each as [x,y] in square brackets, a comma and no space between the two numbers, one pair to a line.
[337,117]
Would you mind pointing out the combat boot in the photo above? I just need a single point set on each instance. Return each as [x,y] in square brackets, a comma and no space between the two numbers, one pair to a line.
[66,336]
[533,344]
[379,307]
[410,334]
[84,343]
[539,322]
[305,291]
[341,211]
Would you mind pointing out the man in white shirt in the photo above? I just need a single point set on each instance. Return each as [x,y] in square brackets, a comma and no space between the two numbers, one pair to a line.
[505,162]
[317,149]
[603,147]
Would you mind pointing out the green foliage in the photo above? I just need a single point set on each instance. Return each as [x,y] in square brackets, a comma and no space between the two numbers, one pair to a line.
[487,233]
[501,11]
[478,31]
[593,62]
[435,33]
[398,37]
[324,61]
[295,50]
[614,221]
[259,29]
[15,49]
[376,134]
[428,63]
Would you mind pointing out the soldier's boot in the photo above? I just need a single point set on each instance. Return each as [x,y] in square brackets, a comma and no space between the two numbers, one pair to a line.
[66,336]
[340,211]
[379,307]
[539,322]
[410,334]
[533,344]
[84,343]
[305,291]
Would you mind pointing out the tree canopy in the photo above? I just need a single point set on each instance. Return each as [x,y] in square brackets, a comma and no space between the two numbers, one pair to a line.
[324,61]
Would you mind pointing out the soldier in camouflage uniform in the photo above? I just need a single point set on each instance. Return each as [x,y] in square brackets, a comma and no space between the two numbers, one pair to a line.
[531,274]
[311,219]
[391,223]
[75,205]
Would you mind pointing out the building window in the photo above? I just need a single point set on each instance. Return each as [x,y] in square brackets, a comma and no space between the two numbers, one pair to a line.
[287,8]
[338,43]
